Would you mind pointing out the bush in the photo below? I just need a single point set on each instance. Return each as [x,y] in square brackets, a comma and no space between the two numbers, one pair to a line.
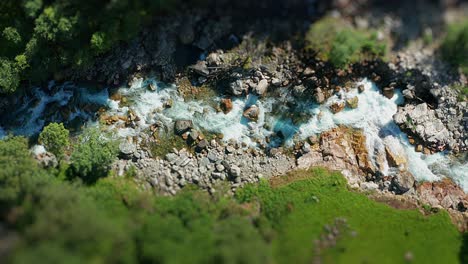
[455,46]
[9,76]
[18,169]
[55,138]
[333,40]
[92,156]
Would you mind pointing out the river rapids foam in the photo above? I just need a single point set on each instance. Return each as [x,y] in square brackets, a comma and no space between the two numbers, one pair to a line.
[373,115]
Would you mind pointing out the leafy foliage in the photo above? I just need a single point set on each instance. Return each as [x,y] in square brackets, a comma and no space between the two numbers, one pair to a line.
[334,40]
[55,138]
[93,155]
[57,35]
[455,45]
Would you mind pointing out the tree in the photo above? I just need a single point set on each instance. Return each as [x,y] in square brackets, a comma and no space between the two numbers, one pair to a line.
[55,138]
[9,77]
[455,46]
[93,155]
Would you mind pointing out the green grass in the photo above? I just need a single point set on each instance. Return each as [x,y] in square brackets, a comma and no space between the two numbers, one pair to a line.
[299,210]
[462,92]
[334,40]
[455,45]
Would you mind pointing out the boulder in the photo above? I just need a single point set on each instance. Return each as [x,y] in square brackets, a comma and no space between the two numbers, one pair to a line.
[252,113]
[261,87]
[182,126]
[319,95]
[337,107]
[395,153]
[352,102]
[361,88]
[236,88]
[388,92]
[127,148]
[202,145]
[200,68]
[402,182]
[226,105]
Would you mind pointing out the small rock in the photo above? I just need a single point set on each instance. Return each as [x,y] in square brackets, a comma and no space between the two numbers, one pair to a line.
[361,88]
[252,113]
[182,126]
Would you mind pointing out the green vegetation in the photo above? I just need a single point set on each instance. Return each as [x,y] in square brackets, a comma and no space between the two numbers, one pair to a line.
[455,46]
[93,155]
[55,138]
[299,211]
[333,40]
[40,38]
[112,221]
[165,143]
[462,91]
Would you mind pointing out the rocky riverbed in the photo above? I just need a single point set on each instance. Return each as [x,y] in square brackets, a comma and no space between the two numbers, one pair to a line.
[246,107]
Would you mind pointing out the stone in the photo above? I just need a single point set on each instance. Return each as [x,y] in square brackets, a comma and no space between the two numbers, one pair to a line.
[201,145]
[182,126]
[352,102]
[234,171]
[319,95]
[127,148]
[252,113]
[193,135]
[230,149]
[226,105]
[395,153]
[337,107]
[201,68]
[152,87]
[236,88]
[369,186]
[220,167]
[261,87]
[388,92]
[308,160]
[361,88]
[402,182]
[171,157]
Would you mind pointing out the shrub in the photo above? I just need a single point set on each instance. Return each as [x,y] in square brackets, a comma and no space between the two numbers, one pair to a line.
[333,40]
[455,46]
[9,77]
[55,138]
[92,156]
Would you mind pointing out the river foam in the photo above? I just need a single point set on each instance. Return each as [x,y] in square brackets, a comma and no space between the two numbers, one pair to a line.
[276,122]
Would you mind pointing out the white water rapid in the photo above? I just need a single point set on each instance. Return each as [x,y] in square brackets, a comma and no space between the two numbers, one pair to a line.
[277,120]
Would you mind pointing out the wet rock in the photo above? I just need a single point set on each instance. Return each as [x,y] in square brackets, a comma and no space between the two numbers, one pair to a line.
[337,107]
[352,102]
[298,90]
[361,88]
[395,153]
[252,113]
[182,126]
[388,92]
[226,105]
